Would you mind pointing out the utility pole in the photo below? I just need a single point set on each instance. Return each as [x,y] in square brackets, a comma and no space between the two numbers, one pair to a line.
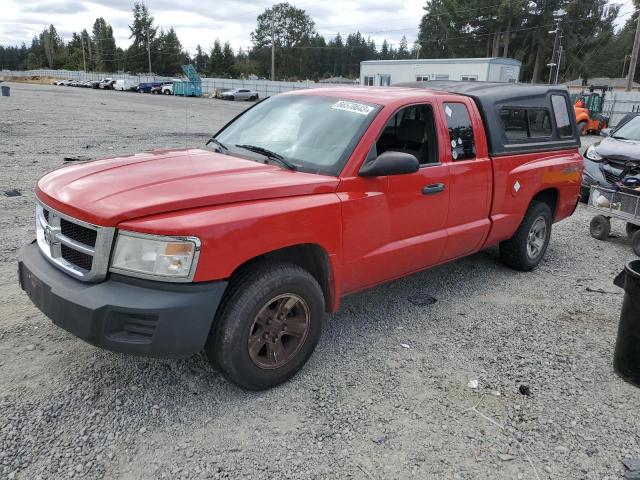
[84,61]
[560,51]
[148,50]
[554,65]
[273,48]
[624,65]
[634,55]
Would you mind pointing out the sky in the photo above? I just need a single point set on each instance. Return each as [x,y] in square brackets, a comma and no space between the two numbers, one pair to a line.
[202,21]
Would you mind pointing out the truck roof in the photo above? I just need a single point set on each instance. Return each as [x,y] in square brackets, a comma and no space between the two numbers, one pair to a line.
[492,98]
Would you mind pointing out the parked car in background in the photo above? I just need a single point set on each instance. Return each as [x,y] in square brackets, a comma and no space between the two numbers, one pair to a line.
[107,83]
[63,82]
[609,161]
[240,94]
[94,83]
[167,88]
[157,89]
[146,87]
[125,85]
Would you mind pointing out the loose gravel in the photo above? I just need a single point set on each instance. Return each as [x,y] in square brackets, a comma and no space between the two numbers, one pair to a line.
[388,393]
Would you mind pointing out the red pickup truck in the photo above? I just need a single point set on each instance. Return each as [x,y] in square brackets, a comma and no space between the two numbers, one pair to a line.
[242,247]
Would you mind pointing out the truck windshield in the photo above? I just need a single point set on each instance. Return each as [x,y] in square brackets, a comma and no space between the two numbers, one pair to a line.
[312,133]
[629,131]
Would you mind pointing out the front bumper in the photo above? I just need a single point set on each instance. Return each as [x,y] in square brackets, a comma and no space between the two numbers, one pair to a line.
[128,315]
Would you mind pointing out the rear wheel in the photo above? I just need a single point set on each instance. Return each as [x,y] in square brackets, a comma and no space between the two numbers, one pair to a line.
[600,227]
[253,98]
[232,98]
[582,127]
[268,326]
[527,247]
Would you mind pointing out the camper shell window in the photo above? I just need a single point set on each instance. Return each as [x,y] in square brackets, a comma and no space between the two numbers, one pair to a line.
[518,118]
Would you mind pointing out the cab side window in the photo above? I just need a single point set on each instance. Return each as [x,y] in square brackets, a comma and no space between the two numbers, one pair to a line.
[463,145]
[410,130]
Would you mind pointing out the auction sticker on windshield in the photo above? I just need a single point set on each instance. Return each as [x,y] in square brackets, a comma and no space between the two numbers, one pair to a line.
[353,107]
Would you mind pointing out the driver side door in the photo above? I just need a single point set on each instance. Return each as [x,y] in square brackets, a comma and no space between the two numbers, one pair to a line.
[396,224]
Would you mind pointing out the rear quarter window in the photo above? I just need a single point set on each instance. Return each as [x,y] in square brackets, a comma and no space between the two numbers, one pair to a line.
[525,123]
[561,113]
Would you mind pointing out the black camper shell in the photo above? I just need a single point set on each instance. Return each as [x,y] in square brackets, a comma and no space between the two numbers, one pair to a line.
[518,118]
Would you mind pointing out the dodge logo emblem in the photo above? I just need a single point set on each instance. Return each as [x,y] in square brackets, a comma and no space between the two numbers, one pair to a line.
[49,236]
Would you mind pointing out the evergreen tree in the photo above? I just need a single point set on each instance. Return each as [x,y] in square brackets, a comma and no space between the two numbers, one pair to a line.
[228,59]
[216,59]
[201,59]
[142,31]
[103,46]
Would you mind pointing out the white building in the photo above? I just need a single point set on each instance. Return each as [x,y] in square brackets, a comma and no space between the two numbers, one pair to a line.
[389,72]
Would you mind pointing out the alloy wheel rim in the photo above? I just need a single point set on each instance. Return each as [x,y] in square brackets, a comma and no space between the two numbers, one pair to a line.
[279,331]
[536,238]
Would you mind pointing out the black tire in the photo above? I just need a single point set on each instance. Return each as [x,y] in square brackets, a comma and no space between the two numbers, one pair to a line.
[515,252]
[635,243]
[227,347]
[253,98]
[632,229]
[600,227]
[232,98]
[582,127]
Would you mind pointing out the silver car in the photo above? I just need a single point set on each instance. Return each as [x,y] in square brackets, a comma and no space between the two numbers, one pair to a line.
[240,94]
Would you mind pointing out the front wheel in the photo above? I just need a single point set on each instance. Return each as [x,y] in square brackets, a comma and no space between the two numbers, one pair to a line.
[268,325]
[527,247]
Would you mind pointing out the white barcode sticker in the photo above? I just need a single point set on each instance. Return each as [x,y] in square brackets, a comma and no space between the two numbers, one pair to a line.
[353,107]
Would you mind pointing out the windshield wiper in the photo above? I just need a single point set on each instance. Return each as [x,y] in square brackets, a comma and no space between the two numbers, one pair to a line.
[218,143]
[619,138]
[269,154]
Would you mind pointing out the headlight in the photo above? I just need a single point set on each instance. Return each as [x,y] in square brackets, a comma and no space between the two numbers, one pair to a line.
[158,257]
[591,154]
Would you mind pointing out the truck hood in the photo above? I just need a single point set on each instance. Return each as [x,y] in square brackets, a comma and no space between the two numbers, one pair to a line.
[107,192]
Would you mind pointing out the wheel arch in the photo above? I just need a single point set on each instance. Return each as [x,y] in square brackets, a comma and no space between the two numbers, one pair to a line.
[548,196]
[310,256]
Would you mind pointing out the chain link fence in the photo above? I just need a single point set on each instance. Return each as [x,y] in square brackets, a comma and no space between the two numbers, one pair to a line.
[618,104]
[209,85]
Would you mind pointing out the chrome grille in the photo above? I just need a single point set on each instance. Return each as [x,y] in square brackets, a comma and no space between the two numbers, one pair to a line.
[79,248]
[84,235]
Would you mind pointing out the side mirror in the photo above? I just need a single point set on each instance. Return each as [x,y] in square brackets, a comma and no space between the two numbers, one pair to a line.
[605,132]
[390,163]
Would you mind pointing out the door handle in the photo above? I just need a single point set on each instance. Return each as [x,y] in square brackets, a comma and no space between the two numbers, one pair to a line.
[434,188]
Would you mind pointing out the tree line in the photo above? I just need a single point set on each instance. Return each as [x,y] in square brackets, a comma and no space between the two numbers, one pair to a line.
[521,29]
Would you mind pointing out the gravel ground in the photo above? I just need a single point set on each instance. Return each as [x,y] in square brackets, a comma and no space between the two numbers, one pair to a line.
[385,395]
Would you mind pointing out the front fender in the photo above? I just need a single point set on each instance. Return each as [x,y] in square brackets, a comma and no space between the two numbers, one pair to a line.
[233,234]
